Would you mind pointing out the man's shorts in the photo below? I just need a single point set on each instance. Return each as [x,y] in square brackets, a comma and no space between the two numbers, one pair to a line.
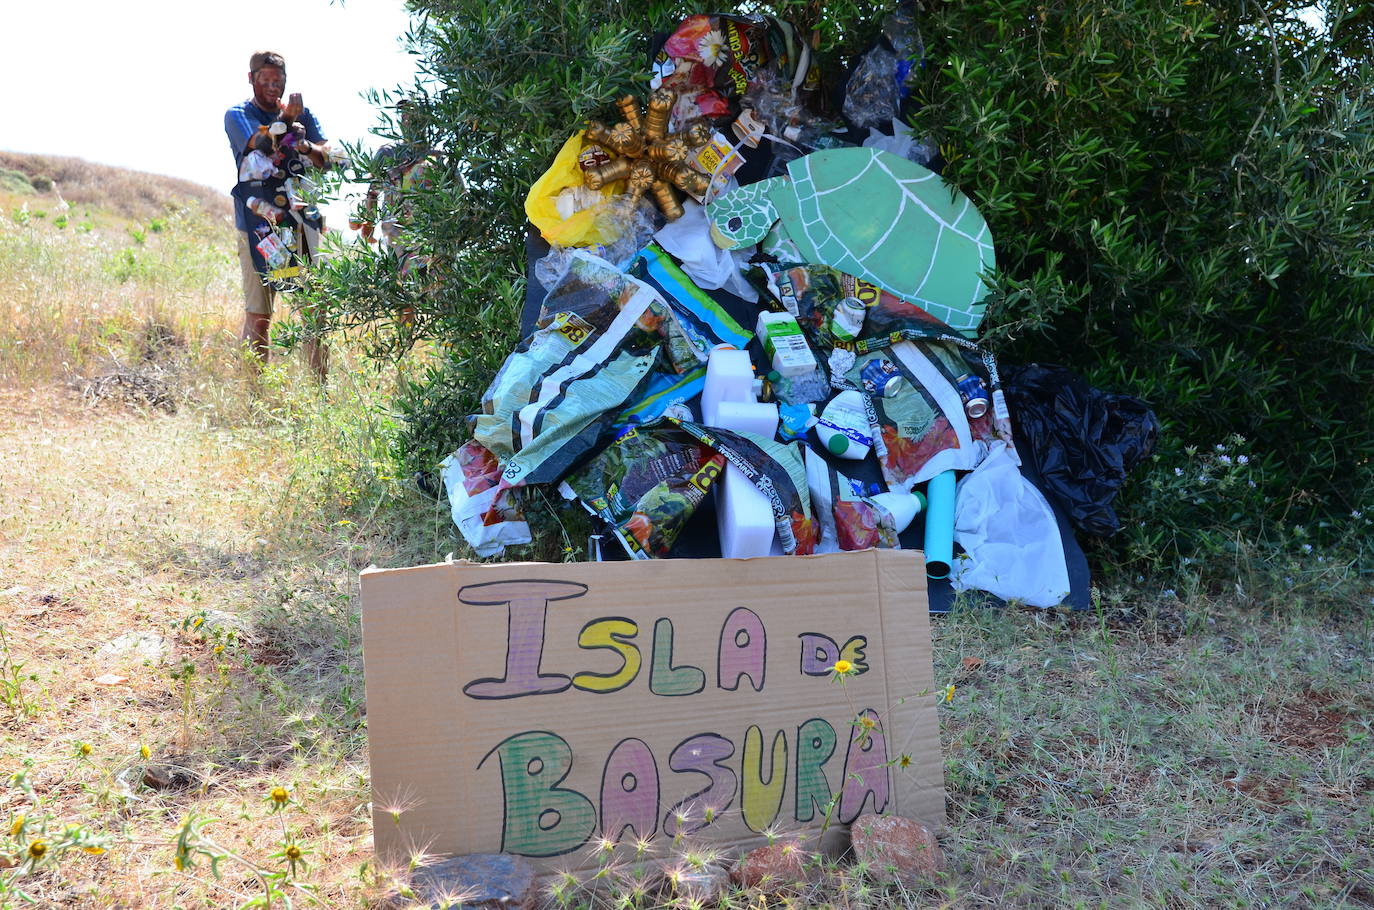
[257,297]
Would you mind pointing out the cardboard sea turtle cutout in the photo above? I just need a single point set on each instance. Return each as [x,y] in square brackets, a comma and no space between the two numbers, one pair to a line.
[877,217]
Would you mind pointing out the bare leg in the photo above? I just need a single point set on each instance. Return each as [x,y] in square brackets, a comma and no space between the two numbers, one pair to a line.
[255,329]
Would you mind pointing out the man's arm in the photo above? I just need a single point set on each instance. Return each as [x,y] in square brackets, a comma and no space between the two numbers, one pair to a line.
[238,128]
[317,146]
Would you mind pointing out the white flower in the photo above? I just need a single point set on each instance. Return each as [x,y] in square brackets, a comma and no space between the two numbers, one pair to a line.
[1242,459]
[1178,472]
[1307,548]
[1224,459]
[1221,448]
[1357,514]
[711,48]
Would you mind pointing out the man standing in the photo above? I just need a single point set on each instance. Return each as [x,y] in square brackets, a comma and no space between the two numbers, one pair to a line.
[267,76]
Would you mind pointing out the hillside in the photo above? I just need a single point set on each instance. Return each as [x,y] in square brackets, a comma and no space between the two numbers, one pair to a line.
[134,195]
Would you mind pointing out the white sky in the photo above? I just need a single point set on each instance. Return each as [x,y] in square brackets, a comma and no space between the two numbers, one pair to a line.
[144,84]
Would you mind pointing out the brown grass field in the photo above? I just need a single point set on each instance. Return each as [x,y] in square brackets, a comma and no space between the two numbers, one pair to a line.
[179,635]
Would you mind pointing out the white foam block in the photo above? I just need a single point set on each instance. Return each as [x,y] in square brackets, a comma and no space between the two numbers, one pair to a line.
[729,377]
[748,417]
[744,520]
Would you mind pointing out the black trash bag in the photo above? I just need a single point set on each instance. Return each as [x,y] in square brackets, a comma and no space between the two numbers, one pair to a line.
[1083,441]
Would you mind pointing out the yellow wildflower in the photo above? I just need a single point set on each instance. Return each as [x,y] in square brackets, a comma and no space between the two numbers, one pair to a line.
[18,824]
[949,693]
[145,752]
[37,849]
[280,795]
[842,666]
[94,851]
[293,852]
[84,749]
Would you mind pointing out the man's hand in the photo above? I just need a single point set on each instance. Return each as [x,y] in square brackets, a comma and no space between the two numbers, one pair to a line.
[294,108]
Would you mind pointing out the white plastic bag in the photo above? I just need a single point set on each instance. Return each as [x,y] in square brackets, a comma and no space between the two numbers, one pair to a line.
[1009,535]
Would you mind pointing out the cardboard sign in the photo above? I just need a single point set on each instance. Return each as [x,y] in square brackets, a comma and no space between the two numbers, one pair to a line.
[534,708]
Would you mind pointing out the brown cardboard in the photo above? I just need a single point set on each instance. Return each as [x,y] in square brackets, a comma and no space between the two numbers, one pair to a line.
[461,763]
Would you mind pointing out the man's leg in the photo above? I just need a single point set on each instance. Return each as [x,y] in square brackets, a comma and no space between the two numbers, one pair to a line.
[257,304]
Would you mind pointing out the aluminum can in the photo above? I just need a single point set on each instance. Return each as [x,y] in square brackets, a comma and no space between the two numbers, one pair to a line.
[880,377]
[974,393]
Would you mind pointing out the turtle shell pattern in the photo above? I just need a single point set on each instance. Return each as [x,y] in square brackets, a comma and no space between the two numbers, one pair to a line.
[894,223]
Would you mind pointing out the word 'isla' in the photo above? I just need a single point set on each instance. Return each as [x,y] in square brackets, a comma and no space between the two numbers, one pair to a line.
[542,818]
[742,653]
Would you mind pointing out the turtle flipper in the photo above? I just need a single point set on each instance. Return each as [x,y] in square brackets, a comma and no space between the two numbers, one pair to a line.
[742,217]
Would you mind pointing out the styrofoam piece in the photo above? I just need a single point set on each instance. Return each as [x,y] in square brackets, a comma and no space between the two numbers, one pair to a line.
[744,519]
[729,377]
[749,417]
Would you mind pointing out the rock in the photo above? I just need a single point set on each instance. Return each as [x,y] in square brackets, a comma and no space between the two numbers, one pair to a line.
[896,849]
[479,881]
[143,645]
[776,867]
[167,777]
[704,885]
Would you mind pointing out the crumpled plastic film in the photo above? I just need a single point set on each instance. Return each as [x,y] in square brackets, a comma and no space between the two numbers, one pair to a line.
[1011,542]
[1082,441]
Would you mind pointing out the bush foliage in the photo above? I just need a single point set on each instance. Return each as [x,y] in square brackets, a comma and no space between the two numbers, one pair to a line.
[1179,194]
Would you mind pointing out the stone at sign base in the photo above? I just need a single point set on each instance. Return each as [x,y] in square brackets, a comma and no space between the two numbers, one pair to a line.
[775,867]
[478,881]
[896,849]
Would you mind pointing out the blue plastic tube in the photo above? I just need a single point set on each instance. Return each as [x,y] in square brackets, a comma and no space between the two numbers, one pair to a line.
[939,525]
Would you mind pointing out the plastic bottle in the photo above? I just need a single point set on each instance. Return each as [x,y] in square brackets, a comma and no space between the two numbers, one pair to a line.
[904,507]
[843,427]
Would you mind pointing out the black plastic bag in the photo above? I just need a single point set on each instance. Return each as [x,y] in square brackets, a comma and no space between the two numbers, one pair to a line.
[1083,441]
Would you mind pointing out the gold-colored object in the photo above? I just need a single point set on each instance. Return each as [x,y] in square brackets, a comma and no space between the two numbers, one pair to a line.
[599,133]
[661,101]
[689,180]
[598,177]
[698,132]
[667,201]
[649,160]
[626,140]
[673,150]
[641,179]
[629,109]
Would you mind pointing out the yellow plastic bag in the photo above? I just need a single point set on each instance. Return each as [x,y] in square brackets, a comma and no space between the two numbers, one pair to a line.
[584,228]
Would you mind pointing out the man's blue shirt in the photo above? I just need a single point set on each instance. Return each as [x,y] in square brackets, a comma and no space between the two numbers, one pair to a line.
[240,122]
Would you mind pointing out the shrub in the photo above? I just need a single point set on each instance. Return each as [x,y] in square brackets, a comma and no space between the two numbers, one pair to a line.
[1180,198]
[1179,192]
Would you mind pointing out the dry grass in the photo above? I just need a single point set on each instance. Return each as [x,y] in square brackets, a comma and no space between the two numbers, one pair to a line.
[1157,753]
[129,194]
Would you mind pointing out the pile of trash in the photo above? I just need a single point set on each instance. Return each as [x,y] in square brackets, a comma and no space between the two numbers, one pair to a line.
[751,305]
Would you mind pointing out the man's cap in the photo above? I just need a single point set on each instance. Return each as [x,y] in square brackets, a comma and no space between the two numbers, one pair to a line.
[266,58]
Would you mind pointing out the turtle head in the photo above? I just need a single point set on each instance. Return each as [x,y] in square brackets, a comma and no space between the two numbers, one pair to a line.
[742,217]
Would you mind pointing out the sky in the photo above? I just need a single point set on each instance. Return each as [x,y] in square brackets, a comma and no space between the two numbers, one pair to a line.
[144,84]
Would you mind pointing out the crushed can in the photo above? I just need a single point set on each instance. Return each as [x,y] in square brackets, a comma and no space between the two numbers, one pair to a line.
[974,393]
[880,377]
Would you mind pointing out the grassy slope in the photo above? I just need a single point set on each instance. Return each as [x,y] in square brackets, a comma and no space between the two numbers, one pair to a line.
[1195,753]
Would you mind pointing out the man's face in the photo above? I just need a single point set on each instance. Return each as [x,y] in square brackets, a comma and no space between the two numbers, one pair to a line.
[269,84]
